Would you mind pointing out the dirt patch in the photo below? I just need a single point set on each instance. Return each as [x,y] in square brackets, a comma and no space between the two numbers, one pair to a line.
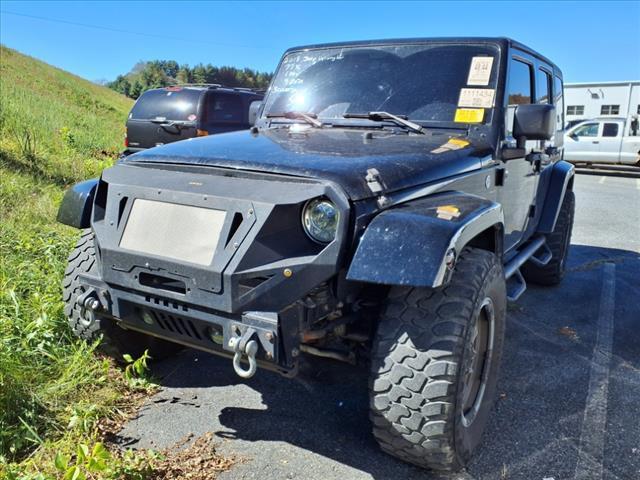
[198,460]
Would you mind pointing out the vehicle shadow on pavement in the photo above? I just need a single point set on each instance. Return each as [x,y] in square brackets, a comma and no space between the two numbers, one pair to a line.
[533,432]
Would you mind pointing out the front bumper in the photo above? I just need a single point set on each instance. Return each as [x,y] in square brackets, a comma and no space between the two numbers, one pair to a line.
[263,262]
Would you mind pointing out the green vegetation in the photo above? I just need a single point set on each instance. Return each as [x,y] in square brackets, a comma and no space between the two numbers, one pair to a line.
[56,125]
[55,129]
[160,73]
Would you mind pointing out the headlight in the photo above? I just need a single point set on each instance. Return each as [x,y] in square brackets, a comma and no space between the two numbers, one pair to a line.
[320,220]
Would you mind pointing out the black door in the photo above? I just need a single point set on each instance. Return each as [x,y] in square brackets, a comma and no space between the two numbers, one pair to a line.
[517,195]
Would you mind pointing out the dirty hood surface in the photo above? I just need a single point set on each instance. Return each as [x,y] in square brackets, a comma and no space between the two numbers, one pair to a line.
[338,155]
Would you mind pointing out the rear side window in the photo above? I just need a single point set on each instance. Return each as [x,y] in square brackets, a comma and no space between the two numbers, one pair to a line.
[558,101]
[610,130]
[170,104]
[543,87]
[224,108]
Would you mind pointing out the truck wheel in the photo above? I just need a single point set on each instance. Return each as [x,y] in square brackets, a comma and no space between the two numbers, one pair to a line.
[558,242]
[115,340]
[435,364]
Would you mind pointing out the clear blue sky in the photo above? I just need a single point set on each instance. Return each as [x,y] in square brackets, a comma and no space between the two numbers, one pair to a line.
[589,40]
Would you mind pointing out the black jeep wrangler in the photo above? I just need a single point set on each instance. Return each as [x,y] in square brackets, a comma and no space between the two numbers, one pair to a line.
[170,114]
[392,196]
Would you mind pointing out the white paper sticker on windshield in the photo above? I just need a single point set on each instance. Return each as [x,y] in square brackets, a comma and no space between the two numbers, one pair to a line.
[476,97]
[480,71]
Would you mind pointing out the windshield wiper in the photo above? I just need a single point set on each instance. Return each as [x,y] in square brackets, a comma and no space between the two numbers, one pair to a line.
[163,122]
[380,116]
[310,118]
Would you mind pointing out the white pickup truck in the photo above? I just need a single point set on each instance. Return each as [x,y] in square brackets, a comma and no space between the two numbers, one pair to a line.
[602,140]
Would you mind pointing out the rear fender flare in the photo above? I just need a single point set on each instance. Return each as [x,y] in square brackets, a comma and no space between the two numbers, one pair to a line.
[408,244]
[75,209]
[561,180]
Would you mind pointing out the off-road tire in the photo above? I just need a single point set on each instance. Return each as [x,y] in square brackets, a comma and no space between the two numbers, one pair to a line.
[558,242]
[115,340]
[422,349]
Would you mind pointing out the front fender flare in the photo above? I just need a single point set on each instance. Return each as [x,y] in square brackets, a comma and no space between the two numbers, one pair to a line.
[408,244]
[75,209]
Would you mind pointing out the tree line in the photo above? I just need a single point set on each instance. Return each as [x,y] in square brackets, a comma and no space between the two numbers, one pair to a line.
[162,73]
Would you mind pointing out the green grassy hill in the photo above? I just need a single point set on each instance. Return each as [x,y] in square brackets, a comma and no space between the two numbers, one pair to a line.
[55,123]
[55,129]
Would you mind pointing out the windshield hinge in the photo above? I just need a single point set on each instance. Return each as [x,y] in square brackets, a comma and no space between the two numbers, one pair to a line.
[374,182]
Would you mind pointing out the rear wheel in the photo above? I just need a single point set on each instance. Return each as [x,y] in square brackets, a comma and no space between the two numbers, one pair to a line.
[115,340]
[558,242]
[435,364]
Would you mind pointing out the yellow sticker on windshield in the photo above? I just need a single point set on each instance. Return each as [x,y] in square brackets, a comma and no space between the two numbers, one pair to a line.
[469,115]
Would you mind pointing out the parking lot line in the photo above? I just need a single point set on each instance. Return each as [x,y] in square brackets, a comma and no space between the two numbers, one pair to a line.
[602,179]
[638,183]
[591,449]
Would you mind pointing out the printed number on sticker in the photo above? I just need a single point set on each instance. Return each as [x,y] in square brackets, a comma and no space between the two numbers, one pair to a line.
[476,97]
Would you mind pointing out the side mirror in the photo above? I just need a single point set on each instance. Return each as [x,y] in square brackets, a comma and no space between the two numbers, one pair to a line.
[534,122]
[254,110]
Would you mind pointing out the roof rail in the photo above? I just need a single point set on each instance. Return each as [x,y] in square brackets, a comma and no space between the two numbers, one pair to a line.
[218,85]
[210,85]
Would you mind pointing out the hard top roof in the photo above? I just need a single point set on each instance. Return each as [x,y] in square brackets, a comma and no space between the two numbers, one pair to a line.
[501,41]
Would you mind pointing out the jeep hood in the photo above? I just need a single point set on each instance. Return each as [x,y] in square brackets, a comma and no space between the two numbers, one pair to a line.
[338,155]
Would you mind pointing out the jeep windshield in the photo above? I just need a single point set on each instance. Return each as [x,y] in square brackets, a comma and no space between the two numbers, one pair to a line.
[418,82]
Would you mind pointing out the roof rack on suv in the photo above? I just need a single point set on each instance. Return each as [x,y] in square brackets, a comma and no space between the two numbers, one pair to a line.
[217,85]
[209,85]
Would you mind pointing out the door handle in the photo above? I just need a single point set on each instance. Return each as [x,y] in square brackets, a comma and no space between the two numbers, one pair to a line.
[595,142]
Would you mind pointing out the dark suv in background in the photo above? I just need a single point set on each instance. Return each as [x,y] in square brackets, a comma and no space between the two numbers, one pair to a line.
[166,115]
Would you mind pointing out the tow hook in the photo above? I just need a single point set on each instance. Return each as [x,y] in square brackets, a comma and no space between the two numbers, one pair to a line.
[242,346]
[89,303]
[89,300]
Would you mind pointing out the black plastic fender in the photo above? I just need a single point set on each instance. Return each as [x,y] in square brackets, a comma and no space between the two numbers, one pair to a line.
[412,244]
[561,178]
[75,209]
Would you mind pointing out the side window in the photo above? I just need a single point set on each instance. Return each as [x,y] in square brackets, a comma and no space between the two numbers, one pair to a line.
[575,109]
[588,130]
[610,130]
[224,108]
[558,101]
[519,83]
[543,87]
[519,89]
[610,110]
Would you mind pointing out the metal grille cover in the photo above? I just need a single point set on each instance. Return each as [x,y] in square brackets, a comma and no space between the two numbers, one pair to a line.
[181,232]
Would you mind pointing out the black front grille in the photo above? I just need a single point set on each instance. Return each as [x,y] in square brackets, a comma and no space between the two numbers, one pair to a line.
[175,324]
[166,303]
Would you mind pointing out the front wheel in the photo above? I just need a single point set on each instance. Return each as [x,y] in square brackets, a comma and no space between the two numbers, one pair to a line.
[435,364]
[115,341]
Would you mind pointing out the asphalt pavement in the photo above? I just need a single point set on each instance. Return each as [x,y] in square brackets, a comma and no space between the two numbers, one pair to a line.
[569,391]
